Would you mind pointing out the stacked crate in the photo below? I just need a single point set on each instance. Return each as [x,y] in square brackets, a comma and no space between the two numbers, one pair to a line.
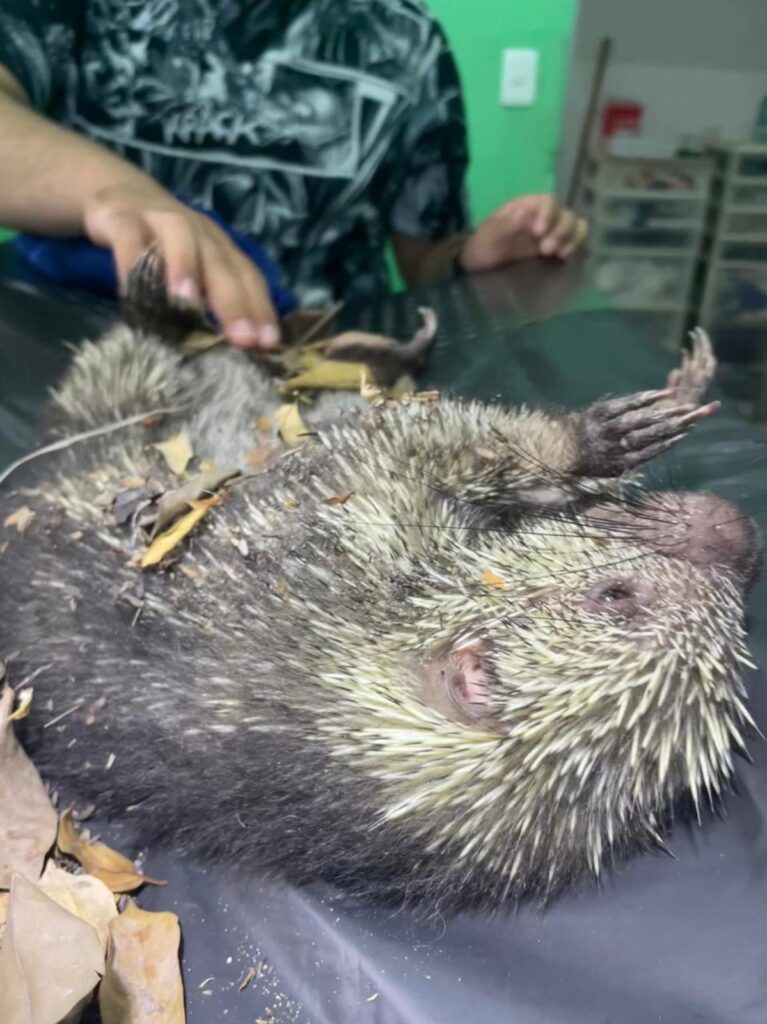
[648,220]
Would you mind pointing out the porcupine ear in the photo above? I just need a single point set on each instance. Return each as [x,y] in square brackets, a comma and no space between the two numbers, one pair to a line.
[460,683]
[147,308]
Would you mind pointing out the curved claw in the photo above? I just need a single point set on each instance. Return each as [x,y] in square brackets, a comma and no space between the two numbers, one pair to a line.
[692,379]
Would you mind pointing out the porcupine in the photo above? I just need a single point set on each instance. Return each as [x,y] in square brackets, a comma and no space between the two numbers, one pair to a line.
[486,675]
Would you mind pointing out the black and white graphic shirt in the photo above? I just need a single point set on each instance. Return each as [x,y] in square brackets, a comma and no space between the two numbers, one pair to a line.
[315,126]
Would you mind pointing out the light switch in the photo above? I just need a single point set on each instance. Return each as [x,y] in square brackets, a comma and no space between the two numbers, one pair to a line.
[519,78]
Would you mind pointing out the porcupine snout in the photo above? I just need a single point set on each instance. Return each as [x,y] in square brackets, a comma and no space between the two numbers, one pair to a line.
[708,531]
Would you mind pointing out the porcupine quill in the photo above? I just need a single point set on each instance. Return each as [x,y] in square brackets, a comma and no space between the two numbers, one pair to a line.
[489,672]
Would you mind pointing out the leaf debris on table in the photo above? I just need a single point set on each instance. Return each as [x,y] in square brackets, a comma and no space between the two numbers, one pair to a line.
[28,820]
[115,870]
[21,519]
[51,960]
[62,935]
[177,452]
[291,427]
[142,981]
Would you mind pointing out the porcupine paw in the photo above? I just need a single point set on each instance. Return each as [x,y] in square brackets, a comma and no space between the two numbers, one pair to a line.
[387,358]
[692,379]
[619,434]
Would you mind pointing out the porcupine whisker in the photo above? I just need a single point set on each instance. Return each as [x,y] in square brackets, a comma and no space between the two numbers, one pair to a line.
[353,521]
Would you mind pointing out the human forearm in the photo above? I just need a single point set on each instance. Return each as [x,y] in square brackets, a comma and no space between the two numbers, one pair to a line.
[55,182]
[424,262]
[49,175]
[521,229]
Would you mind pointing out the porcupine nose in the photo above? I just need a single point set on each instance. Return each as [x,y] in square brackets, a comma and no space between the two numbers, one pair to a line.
[710,531]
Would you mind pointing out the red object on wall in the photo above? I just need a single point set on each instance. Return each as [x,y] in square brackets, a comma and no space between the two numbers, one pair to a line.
[624,116]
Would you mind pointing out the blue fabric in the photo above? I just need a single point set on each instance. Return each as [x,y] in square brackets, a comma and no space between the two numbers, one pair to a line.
[78,263]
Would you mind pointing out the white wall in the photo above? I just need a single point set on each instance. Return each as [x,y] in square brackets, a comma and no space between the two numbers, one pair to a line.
[696,65]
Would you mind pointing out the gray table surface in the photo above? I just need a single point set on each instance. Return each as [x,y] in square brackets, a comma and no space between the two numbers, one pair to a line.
[673,940]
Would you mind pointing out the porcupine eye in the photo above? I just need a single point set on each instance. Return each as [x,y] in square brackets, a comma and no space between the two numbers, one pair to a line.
[618,596]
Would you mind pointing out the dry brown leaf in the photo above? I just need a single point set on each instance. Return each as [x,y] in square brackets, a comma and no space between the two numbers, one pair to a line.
[115,870]
[290,425]
[50,960]
[27,817]
[329,374]
[200,341]
[177,451]
[21,518]
[82,895]
[264,424]
[166,542]
[492,579]
[260,458]
[246,979]
[337,499]
[143,982]
[417,396]
[173,503]
[206,503]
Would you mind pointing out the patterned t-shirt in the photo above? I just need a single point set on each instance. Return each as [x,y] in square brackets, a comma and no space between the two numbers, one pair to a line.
[318,127]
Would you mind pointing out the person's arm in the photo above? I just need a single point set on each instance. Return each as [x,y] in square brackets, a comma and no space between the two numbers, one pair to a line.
[522,228]
[56,182]
[428,220]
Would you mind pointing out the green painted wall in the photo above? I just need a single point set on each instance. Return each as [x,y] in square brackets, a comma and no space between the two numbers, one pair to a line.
[513,150]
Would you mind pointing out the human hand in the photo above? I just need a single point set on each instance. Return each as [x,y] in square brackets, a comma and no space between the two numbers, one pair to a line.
[203,265]
[528,226]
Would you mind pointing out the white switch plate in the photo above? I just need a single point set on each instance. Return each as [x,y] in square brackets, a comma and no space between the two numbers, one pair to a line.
[519,78]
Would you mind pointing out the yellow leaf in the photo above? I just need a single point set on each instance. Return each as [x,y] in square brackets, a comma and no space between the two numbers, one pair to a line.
[25,703]
[166,542]
[50,960]
[116,872]
[142,981]
[290,425]
[82,895]
[337,499]
[329,374]
[27,817]
[173,503]
[308,358]
[21,518]
[492,579]
[177,451]
[370,391]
